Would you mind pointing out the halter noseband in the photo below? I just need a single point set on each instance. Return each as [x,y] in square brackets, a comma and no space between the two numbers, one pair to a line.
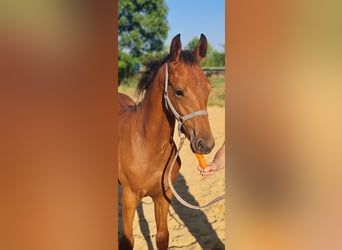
[181,119]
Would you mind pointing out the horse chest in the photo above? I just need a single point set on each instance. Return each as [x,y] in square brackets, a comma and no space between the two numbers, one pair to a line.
[145,176]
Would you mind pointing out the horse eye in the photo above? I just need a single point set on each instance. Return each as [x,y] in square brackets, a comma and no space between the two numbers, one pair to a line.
[178,92]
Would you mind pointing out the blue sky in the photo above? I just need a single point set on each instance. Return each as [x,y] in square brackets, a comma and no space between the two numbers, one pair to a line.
[190,18]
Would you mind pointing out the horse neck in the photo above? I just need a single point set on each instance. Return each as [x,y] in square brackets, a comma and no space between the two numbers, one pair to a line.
[158,123]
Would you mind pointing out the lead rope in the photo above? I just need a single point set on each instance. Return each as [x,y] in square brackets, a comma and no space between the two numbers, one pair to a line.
[181,120]
[180,199]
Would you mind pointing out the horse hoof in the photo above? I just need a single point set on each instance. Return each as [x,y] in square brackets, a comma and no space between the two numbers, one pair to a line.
[162,240]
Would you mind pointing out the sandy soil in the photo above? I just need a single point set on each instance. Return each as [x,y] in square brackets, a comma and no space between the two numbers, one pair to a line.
[189,229]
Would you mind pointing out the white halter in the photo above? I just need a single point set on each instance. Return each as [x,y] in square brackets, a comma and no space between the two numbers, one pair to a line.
[181,119]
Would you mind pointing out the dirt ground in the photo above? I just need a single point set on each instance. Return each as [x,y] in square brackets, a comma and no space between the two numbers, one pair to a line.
[188,228]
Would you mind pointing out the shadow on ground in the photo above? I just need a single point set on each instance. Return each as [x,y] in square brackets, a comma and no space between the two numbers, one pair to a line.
[195,221]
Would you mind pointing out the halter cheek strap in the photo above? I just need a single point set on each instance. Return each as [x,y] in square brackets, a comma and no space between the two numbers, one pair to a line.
[181,119]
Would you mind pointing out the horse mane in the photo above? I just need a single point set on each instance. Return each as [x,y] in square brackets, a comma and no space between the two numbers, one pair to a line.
[187,57]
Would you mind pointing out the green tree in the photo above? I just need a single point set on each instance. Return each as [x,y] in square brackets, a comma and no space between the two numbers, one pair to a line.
[126,65]
[142,28]
[213,57]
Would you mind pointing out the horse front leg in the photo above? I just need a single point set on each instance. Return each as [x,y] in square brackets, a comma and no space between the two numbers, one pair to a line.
[161,208]
[129,204]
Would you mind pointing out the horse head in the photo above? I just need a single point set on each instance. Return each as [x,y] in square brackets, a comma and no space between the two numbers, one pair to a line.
[187,89]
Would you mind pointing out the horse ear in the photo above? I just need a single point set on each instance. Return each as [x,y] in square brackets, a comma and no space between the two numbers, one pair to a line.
[175,49]
[201,48]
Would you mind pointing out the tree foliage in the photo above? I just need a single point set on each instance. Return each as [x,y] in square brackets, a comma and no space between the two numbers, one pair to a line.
[143,28]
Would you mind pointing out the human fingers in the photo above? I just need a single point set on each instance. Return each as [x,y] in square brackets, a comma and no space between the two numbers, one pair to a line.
[206,171]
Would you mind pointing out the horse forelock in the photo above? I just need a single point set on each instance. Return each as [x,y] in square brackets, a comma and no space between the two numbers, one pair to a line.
[187,57]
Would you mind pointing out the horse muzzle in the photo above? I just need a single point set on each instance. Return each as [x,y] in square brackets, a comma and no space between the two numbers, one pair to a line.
[200,144]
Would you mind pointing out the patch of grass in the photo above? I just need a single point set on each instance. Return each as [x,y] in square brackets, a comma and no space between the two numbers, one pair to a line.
[218,92]
[129,85]
[216,96]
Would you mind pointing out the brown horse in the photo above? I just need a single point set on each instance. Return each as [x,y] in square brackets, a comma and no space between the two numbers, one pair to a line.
[174,88]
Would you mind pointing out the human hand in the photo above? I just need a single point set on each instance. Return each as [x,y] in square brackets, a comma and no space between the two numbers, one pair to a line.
[210,169]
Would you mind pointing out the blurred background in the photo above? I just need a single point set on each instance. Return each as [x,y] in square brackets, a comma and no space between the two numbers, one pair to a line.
[57,93]
[284,124]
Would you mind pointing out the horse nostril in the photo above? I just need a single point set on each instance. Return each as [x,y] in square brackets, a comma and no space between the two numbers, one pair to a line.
[199,144]
[203,146]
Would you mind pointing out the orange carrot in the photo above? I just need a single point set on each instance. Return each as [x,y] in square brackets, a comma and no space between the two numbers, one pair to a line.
[201,160]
